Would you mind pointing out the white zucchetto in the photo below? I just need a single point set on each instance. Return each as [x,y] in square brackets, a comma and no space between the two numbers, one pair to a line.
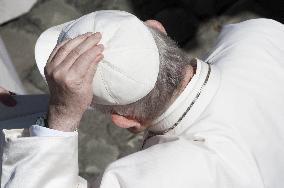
[130,66]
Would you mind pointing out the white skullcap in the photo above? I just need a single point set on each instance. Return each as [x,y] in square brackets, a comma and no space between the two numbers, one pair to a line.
[130,66]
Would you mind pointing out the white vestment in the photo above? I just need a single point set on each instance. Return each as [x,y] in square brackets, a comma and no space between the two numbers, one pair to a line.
[232,136]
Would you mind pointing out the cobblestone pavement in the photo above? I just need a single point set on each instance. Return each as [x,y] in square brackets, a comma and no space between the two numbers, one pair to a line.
[100,141]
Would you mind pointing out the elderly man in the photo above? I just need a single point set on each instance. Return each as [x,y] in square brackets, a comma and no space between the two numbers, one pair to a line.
[210,124]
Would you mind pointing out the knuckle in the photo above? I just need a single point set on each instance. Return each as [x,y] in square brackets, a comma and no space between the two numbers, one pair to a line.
[75,53]
[63,50]
[56,75]
[67,79]
[71,82]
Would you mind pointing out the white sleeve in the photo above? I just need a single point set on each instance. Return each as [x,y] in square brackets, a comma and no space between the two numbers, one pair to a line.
[40,162]
[36,130]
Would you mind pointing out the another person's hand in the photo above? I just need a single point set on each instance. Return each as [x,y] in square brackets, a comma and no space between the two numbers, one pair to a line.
[6,98]
[69,72]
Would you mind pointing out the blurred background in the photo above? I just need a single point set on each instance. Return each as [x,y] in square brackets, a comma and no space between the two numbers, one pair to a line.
[194,24]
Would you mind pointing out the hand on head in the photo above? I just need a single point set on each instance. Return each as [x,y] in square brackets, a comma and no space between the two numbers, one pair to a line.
[69,72]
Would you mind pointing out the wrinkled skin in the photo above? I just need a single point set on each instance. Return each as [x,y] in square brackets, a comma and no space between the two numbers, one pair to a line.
[69,73]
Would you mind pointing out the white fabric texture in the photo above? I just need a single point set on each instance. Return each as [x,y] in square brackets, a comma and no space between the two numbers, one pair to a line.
[30,162]
[130,66]
[231,137]
[36,130]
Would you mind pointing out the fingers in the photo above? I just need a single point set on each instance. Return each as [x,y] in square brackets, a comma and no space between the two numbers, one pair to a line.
[54,51]
[82,64]
[64,49]
[79,50]
[75,61]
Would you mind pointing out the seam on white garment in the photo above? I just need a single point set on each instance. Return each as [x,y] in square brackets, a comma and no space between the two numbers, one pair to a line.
[106,87]
[39,131]
[273,44]
[122,73]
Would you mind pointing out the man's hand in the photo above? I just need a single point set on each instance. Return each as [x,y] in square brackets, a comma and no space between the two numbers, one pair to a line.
[6,98]
[69,72]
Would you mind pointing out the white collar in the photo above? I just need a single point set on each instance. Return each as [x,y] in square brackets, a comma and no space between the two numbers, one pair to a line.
[186,98]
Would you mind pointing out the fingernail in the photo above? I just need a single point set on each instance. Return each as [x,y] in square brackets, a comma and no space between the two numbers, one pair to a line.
[101,46]
[88,34]
[97,34]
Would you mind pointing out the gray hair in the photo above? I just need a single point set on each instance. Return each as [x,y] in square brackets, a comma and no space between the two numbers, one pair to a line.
[172,63]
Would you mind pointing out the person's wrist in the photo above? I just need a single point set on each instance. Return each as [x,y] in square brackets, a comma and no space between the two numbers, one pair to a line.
[62,119]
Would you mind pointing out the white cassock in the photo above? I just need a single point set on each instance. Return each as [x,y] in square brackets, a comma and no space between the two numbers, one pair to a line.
[231,137]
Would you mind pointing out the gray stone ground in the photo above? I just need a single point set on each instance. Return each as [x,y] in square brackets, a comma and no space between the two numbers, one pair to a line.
[100,141]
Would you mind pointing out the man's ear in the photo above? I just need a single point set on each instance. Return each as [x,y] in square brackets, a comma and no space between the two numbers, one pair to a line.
[124,122]
[156,25]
